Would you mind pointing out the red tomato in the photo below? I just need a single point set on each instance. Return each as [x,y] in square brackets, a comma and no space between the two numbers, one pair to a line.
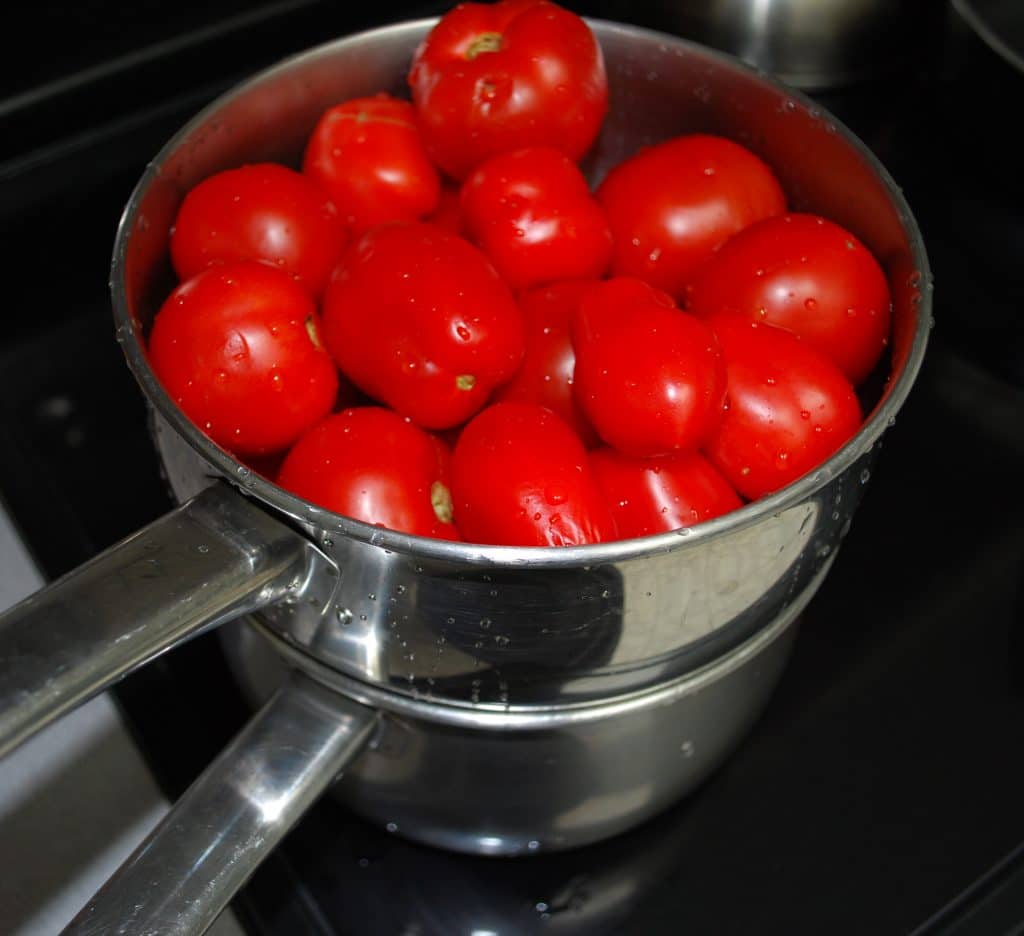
[789,408]
[418,319]
[652,495]
[807,275]
[237,348]
[448,213]
[259,212]
[672,205]
[650,378]
[492,77]
[520,477]
[370,464]
[546,374]
[368,155]
[531,212]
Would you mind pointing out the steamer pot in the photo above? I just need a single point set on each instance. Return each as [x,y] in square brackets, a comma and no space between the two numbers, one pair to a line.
[491,699]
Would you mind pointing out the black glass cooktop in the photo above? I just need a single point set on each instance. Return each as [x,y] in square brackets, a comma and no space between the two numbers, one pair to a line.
[882,789]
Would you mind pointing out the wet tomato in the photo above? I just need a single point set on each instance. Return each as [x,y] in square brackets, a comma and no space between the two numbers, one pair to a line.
[532,213]
[649,377]
[808,275]
[263,212]
[789,408]
[367,154]
[672,205]
[546,374]
[237,348]
[448,213]
[418,319]
[493,77]
[653,495]
[370,464]
[520,477]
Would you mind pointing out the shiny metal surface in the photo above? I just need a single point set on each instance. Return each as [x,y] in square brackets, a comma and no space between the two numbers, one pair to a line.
[999,24]
[184,874]
[810,44]
[213,558]
[535,780]
[546,626]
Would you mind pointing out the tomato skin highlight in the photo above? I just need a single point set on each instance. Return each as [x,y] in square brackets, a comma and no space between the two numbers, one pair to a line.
[520,477]
[370,464]
[649,377]
[531,212]
[671,205]
[546,374]
[418,319]
[237,348]
[368,155]
[805,274]
[668,492]
[262,211]
[789,408]
[493,77]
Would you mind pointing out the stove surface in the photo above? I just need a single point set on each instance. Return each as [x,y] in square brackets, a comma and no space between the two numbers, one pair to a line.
[881,790]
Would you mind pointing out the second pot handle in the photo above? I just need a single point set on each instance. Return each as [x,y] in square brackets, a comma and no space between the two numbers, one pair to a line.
[185,873]
[212,559]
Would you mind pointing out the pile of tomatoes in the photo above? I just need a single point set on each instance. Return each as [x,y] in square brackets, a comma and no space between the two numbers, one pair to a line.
[434,324]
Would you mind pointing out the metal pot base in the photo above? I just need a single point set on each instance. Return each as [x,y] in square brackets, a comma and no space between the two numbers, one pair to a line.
[525,782]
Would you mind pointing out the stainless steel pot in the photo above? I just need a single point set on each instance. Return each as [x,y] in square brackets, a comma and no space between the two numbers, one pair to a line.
[500,700]
[810,44]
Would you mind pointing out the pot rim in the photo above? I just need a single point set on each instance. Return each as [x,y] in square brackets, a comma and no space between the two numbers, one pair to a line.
[129,335]
[974,19]
[495,717]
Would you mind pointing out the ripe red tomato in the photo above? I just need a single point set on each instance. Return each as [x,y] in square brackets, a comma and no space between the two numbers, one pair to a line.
[419,319]
[492,77]
[789,408]
[650,378]
[448,213]
[546,374]
[259,212]
[652,495]
[530,210]
[368,156]
[237,348]
[370,464]
[807,275]
[672,205]
[520,477]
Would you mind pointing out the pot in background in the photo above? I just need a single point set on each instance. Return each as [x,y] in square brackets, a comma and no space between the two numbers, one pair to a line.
[814,45]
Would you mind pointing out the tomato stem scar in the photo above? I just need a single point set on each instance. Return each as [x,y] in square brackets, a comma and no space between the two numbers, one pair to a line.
[314,335]
[465,381]
[441,499]
[485,42]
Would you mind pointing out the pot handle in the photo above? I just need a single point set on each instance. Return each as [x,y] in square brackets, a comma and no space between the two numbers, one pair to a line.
[186,872]
[212,559]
